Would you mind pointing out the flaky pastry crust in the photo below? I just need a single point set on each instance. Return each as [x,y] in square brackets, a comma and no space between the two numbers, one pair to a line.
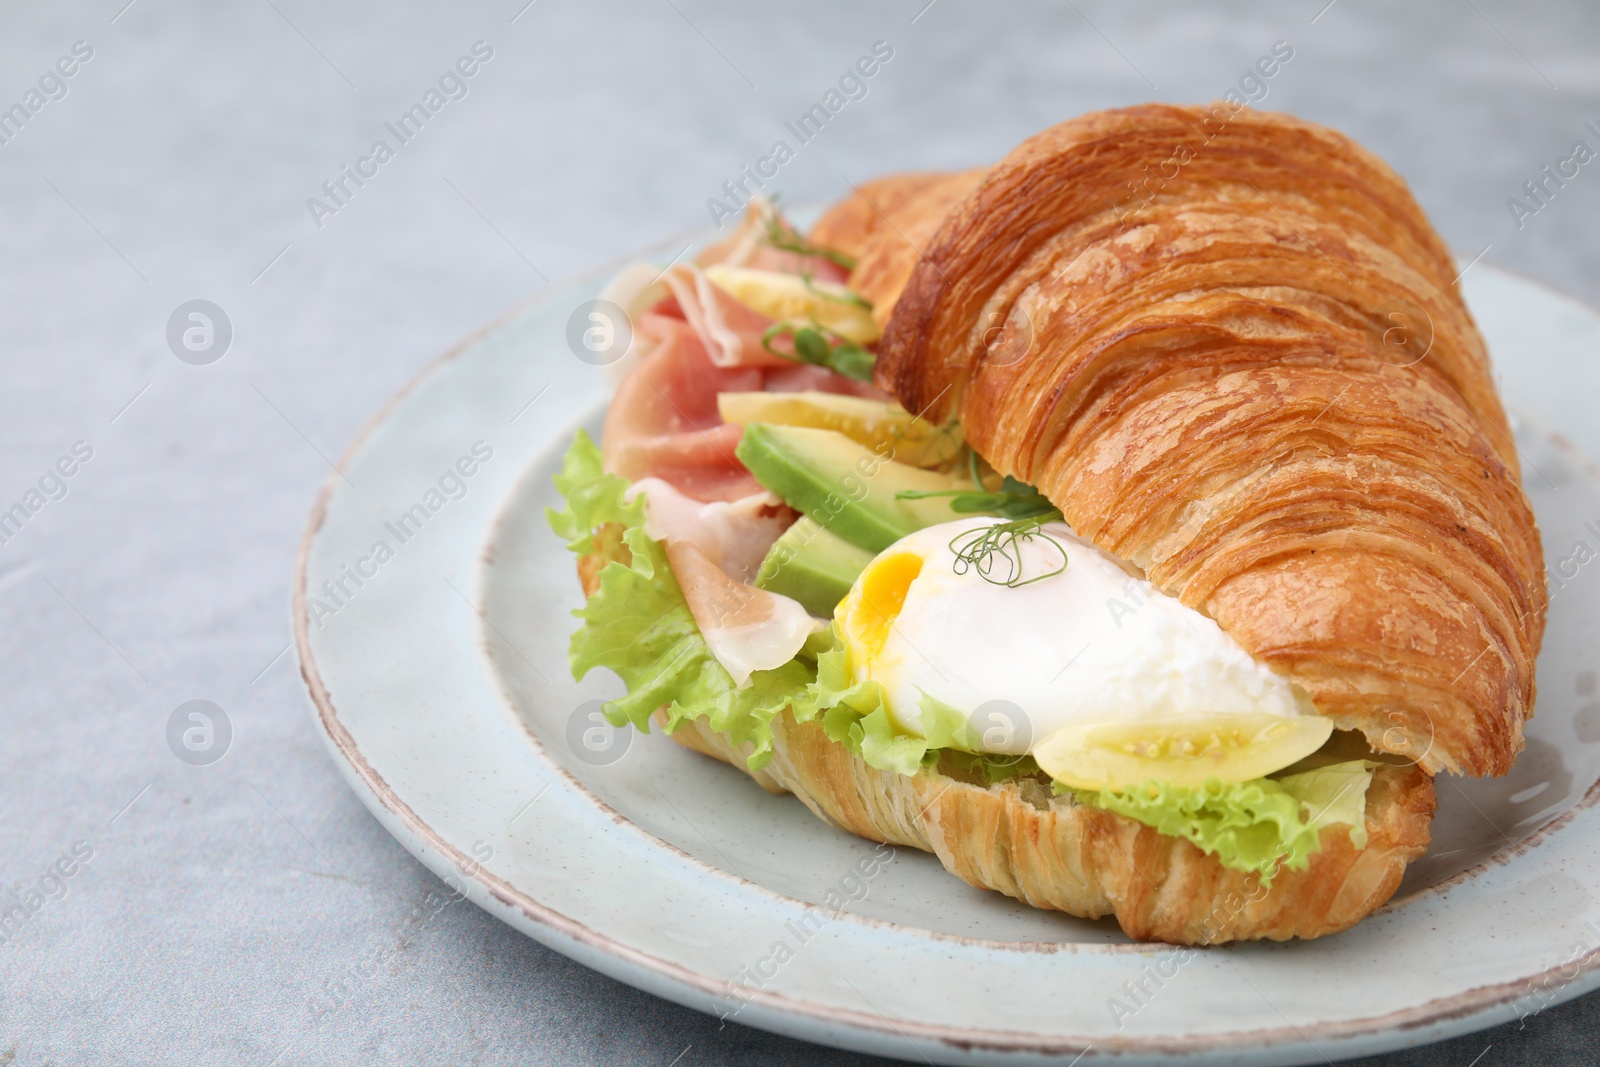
[1232,350]
[1230,347]
[1052,853]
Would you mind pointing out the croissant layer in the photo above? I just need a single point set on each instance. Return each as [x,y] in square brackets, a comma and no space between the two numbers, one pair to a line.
[1047,851]
[1232,350]
[1052,853]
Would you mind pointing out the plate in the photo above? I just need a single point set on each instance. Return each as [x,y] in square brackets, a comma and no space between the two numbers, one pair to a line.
[431,611]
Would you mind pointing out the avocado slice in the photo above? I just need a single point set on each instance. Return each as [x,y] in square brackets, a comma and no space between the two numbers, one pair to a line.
[813,566]
[846,487]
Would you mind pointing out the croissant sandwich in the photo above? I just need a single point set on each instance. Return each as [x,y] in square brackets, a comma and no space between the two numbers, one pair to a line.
[1134,524]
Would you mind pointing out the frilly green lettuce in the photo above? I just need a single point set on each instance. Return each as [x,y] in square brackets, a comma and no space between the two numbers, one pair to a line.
[854,715]
[593,497]
[638,624]
[1262,825]
[1253,825]
[1334,794]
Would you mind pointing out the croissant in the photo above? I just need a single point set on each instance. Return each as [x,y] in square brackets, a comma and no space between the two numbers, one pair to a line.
[1230,349]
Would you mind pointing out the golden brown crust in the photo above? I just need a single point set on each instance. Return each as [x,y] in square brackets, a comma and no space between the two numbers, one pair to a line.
[1180,323]
[1200,365]
[1052,853]
[1016,839]
[885,224]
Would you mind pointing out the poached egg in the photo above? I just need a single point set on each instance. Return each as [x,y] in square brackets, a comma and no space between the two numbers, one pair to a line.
[1074,640]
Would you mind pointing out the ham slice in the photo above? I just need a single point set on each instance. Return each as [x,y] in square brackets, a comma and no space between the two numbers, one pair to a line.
[735,535]
[747,247]
[800,377]
[730,331]
[731,334]
[663,420]
[747,629]
[636,289]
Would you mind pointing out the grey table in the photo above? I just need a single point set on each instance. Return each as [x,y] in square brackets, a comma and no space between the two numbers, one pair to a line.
[223,908]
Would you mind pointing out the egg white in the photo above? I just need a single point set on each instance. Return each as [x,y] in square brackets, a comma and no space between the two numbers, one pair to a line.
[1091,644]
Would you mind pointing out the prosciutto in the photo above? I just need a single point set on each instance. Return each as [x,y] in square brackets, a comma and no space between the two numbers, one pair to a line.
[800,377]
[663,420]
[735,535]
[730,332]
[747,247]
[747,629]
[636,289]
[664,434]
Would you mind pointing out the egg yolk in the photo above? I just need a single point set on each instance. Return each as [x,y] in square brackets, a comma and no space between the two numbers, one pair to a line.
[866,615]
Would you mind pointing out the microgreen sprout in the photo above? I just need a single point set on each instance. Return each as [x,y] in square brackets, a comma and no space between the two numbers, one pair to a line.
[984,550]
[777,233]
[1013,500]
[816,344]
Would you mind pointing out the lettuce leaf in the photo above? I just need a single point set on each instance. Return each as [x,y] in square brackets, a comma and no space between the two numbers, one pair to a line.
[593,497]
[987,767]
[1248,826]
[638,625]
[854,715]
[1333,794]
[1262,825]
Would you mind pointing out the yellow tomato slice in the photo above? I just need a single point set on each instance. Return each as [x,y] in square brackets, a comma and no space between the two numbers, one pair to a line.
[889,429]
[1179,751]
[778,295]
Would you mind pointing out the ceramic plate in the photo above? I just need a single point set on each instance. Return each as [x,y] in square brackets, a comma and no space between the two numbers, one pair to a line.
[431,609]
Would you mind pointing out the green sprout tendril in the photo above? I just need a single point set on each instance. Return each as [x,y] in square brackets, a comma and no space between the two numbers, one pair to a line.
[1013,500]
[777,233]
[839,296]
[816,344]
[984,550]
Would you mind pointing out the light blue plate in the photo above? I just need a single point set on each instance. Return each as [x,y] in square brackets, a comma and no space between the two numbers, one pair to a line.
[439,679]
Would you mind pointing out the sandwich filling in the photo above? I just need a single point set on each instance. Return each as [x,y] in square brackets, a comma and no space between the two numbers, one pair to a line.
[1046,626]
[927,612]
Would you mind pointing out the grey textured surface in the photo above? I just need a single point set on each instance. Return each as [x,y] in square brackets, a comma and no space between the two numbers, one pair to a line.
[230,907]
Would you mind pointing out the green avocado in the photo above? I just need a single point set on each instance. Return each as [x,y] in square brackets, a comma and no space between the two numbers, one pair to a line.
[846,487]
[813,566]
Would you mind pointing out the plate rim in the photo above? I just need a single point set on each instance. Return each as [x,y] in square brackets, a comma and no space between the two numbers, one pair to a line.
[1456,1013]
